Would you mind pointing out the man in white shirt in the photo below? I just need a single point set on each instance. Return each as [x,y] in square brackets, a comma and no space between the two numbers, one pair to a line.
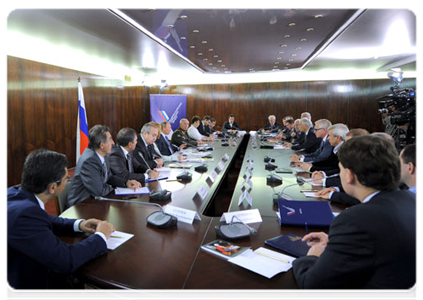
[195,134]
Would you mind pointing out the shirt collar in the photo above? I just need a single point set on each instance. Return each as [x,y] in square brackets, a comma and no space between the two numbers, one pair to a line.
[101,157]
[335,150]
[413,189]
[369,197]
[145,143]
[125,152]
[41,203]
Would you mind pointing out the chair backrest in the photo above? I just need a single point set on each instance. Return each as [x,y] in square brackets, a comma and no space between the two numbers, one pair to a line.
[61,200]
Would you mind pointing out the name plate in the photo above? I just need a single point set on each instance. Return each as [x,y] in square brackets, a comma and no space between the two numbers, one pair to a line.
[225,157]
[246,216]
[202,192]
[221,166]
[213,176]
[183,215]
[247,196]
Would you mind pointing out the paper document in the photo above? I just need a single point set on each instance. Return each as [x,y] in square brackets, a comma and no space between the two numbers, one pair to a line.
[313,183]
[128,191]
[310,194]
[263,261]
[280,147]
[117,239]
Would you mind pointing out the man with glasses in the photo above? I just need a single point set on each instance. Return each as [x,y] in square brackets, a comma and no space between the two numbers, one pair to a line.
[93,176]
[36,257]
[325,149]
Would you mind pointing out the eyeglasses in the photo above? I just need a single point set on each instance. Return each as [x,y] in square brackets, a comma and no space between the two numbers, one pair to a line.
[60,181]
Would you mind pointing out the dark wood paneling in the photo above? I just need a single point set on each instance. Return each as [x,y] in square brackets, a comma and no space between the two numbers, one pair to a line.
[42,105]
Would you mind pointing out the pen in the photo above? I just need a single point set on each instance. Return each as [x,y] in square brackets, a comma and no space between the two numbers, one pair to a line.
[116,237]
[273,257]
[173,180]
[306,226]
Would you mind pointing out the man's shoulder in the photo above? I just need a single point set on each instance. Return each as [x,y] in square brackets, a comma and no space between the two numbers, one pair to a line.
[116,151]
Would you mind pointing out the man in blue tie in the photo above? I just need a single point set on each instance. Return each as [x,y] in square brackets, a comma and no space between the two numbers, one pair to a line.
[408,166]
[163,143]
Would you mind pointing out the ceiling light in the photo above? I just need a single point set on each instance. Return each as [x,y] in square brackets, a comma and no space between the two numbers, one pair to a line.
[318,16]
[205,59]
[310,29]
[281,52]
[303,40]
[211,49]
[215,55]
[283,46]
[291,59]
[273,20]
[183,17]
[183,38]
[219,61]
[204,42]
[192,47]
[298,48]
[200,53]
[293,55]
[291,24]
[196,31]
[278,57]
[286,36]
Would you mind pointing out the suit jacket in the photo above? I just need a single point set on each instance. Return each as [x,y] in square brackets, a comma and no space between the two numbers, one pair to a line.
[311,142]
[344,198]
[273,128]
[330,164]
[119,165]
[371,246]
[227,126]
[164,147]
[180,137]
[88,178]
[148,154]
[321,154]
[299,137]
[204,129]
[33,249]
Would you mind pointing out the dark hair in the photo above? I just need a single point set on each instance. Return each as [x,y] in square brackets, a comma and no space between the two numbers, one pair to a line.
[97,135]
[207,118]
[41,168]
[164,124]
[195,119]
[125,136]
[373,159]
[231,116]
[213,120]
[408,154]
[290,121]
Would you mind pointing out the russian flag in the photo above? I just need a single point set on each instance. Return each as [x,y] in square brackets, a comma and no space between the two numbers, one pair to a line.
[82,126]
[164,115]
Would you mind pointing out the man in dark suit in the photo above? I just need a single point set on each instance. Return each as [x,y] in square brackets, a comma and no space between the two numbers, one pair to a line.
[164,145]
[144,151]
[371,245]
[122,162]
[311,142]
[204,126]
[36,257]
[337,136]
[231,126]
[92,175]
[271,126]
[410,167]
[325,149]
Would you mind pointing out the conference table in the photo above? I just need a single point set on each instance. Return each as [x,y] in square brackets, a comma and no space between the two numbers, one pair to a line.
[172,258]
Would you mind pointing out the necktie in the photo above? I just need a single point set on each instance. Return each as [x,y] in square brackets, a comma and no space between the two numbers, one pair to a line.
[168,145]
[150,152]
[130,167]
[104,172]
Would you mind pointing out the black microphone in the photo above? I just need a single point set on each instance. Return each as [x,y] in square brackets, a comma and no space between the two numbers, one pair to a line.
[147,165]
[158,219]
[269,158]
[300,182]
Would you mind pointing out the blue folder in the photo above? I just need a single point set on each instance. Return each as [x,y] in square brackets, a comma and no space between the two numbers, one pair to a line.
[300,213]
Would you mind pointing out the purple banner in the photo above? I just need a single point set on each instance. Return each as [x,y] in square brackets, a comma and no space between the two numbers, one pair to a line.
[170,108]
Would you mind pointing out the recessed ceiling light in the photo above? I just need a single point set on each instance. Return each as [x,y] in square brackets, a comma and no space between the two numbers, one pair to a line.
[170,26]
[303,40]
[223,66]
[310,29]
[276,62]
[196,31]
[211,50]
[183,17]
[288,64]
[215,55]
[291,24]
[205,59]
[183,38]
[286,36]
[293,55]
[210,64]
[318,16]
[200,53]
[281,52]
[278,57]
[283,46]
[192,47]
[219,61]
[204,42]
[291,59]
[298,48]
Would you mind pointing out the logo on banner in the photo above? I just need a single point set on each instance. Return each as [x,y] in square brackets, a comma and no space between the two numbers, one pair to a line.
[164,115]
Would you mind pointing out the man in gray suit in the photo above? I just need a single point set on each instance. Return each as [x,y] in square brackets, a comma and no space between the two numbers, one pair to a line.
[93,176]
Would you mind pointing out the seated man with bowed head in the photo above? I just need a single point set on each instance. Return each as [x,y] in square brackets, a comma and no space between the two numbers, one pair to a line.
[231,126]
[122,162]
[144,151]
[271,127]
[35,255]
[371,245]
[93,176]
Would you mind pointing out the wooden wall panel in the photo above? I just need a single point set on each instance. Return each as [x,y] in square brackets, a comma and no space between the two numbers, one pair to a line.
[42,105]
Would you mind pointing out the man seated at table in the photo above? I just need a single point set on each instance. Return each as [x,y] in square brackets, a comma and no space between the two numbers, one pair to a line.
[325,149]
[311,142]
[93,176]
[144,152]
[164,144]
[371,245]
[161,139]
[408,167]
[195,134]
[231,126]
[122,162]
[180,136]
[213,125]
[271,126]
[204,126]
[36,257]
